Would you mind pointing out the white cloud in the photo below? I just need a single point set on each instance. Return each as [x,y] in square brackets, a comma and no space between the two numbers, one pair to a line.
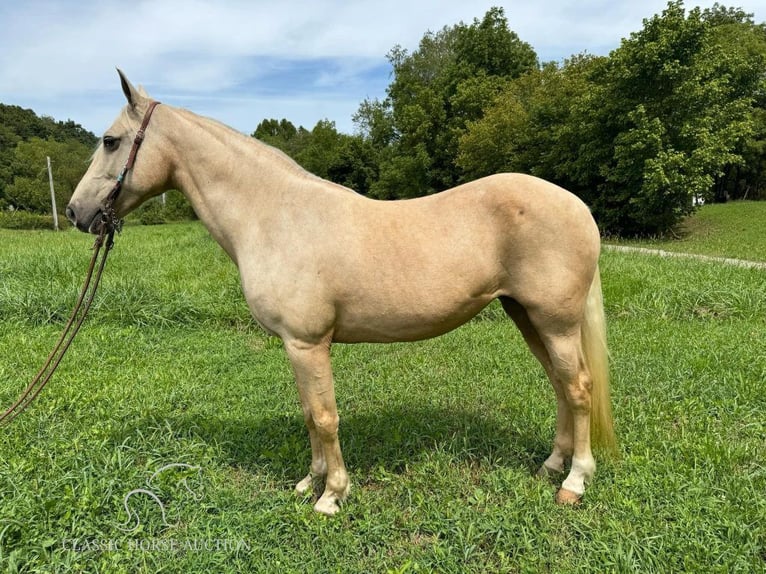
[58,57]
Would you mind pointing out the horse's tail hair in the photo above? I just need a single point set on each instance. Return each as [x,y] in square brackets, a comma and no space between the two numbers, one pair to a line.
[597,361]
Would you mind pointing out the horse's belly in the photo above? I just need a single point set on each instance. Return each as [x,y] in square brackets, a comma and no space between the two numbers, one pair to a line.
[404,322]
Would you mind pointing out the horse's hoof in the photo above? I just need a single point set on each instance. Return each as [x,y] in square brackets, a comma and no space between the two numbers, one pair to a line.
[564,496]
[305,485]
[327,505]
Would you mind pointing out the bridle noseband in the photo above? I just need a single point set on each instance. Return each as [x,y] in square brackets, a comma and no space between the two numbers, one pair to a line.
[109,225]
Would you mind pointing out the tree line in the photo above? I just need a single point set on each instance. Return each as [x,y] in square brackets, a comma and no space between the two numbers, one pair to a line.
[676,113]
[25,141]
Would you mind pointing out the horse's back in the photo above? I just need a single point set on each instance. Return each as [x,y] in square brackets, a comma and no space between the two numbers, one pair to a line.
[509,216]
[424,266]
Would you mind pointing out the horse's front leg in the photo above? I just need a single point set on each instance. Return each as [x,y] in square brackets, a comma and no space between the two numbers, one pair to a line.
[313,375]
[318,469]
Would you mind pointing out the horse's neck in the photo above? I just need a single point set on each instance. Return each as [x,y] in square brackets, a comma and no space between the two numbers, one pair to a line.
[233,182]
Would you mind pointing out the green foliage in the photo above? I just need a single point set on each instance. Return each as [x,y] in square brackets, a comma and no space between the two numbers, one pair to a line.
[172,207]
[447,82]
[320,148]
[65,142]
[30,189]
[638,134]
[17,219]
[676,113]
[746,43]
[406,144]
[683,124]
[355,164]
[441,437]
[348,160]
[25,124]
[281,134]
[533,126]
[374,122]
[747,179]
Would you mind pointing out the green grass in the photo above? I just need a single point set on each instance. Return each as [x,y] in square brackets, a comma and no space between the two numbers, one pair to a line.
[441,437]
[734,229]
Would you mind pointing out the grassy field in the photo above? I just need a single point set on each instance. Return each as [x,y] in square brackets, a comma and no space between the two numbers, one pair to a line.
[733,229]
[441,437]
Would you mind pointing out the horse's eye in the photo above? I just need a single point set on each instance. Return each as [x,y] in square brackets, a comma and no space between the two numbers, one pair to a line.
[111,143]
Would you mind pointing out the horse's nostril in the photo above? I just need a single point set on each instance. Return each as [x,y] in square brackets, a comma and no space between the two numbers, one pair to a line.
[70,215]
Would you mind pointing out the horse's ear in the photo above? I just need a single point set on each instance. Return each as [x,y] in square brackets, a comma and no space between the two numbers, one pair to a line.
[132,95]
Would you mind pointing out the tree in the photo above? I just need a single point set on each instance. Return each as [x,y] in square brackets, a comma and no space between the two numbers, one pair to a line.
[30,190]
[20,125]
[679,100]
[355,165]
[638,134]
[745,42]
[273,129]
[344,159]
[446,83]
[281,134]
[374,123]
[320,148]
[533,126]
[747,179]
[677,111]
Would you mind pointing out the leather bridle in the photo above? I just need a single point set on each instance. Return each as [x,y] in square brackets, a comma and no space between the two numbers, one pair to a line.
[108,216]
[105,239]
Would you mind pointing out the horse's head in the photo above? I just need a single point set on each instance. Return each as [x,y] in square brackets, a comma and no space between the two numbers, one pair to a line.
[146,178]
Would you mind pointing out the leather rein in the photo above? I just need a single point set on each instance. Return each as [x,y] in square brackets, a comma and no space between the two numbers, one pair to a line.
[103,244]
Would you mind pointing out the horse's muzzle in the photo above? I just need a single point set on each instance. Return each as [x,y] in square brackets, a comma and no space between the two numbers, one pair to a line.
[86,225]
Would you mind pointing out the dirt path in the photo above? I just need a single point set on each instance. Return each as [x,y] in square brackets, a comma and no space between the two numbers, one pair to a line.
[661,253]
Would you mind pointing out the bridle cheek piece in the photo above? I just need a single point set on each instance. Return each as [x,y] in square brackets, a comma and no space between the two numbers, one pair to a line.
[109,221]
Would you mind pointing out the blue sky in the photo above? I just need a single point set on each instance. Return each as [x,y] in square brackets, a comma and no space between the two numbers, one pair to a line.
[241,62]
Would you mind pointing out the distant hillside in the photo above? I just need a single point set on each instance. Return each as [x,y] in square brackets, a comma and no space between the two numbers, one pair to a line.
[733,229]
[25,141]
[17,123]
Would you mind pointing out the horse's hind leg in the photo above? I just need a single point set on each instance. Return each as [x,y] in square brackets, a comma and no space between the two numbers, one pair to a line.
[557,344]
[313,375]
[574,382]
[563,441]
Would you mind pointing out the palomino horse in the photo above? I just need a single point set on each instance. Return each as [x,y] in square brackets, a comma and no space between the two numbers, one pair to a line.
[320,264]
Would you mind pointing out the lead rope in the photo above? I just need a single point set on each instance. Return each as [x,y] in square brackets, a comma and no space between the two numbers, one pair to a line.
[103,245]
[87,293]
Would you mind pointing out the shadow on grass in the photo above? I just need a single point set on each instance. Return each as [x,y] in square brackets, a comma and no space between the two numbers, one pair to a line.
[390,440]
